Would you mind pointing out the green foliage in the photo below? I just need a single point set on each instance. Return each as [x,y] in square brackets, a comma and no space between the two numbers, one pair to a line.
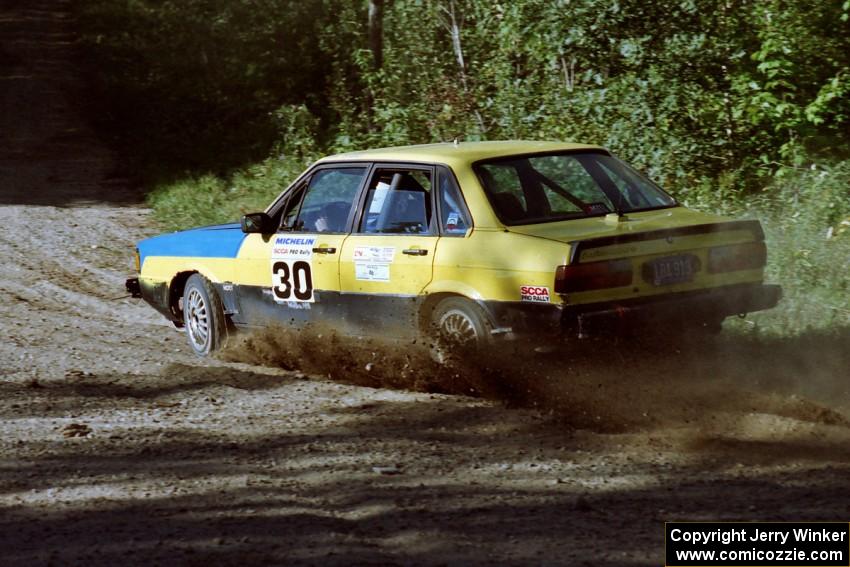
[211,199]
[691,90]
[813,266]
[806,218]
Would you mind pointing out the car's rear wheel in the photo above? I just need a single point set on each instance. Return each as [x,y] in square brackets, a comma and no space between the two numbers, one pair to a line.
[458,322]
[203,316]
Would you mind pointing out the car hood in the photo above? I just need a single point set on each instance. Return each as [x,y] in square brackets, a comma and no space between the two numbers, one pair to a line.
[225,226]
[598,227]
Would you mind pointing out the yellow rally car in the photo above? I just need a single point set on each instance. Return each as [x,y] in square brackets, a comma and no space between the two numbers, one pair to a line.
[470,240]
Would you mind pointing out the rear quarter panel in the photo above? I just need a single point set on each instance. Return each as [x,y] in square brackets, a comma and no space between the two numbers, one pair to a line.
[493,265]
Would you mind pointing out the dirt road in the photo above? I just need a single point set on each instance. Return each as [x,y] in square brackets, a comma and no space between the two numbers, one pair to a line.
[119,446]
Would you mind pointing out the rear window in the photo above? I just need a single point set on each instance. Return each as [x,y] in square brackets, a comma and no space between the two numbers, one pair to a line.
[546,188]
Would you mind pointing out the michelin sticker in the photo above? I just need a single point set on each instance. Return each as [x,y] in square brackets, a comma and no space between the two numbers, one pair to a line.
[534,293]
[292,272]
[372,263]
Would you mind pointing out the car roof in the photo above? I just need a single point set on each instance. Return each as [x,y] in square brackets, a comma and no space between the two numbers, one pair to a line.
[460,152]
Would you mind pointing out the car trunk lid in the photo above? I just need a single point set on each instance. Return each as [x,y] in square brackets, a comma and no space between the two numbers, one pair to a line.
[576,230]
[652,252]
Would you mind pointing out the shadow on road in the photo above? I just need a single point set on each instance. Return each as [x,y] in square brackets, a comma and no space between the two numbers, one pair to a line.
[287,472]
[313,498]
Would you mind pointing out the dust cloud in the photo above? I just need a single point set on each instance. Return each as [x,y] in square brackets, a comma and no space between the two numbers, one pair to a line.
[700,392]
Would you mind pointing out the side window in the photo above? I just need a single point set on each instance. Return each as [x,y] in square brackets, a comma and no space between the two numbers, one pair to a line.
[326,202]
[291,206]
[504,186]
[454,219]
[398,202]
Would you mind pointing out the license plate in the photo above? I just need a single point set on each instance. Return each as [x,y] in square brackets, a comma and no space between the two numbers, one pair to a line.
[671,269]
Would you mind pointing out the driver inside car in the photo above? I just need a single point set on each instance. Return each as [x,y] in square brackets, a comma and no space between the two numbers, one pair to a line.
[332,217]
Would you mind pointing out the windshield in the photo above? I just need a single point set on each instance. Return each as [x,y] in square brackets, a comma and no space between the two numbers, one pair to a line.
[545,188]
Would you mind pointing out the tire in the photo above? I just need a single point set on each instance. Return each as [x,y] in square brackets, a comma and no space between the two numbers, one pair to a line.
[458,322]
[203,316]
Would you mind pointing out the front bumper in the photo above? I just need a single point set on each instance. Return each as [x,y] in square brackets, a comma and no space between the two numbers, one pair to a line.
[133,287]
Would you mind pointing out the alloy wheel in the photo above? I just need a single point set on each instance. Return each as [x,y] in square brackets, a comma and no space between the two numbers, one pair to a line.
[197,319]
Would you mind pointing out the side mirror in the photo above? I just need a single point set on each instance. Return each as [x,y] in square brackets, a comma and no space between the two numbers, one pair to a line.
[257,223]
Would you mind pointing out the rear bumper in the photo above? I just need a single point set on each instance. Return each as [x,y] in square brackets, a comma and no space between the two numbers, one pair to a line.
[696,307]
[704,306]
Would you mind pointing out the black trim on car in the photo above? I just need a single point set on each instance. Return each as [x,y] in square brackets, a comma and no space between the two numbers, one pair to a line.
[157,295]
[365,314]
[350,313]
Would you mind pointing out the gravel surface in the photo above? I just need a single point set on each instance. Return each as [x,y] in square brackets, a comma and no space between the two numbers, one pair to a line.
[118,446]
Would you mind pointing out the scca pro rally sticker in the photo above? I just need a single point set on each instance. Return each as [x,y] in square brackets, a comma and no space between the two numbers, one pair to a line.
[292,271]
[534,293]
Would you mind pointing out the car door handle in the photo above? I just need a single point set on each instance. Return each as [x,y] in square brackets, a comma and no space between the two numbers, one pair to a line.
[324,250]
[415,252]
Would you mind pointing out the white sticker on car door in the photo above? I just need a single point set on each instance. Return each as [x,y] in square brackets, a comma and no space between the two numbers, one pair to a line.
[372,263]
[292,270]
[382,254]
[372,272]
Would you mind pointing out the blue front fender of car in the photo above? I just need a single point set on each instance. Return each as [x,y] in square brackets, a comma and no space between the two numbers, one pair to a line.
[219,241]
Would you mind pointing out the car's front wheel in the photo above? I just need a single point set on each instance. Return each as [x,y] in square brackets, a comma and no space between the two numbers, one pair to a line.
[203,316]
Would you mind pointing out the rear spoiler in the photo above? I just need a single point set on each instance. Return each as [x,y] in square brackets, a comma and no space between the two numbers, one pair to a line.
[579,246]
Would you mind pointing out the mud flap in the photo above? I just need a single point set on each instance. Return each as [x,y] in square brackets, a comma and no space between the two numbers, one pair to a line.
[229,298]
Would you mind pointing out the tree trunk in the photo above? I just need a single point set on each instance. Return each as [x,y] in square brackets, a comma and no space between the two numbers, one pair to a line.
[376,32]
[454,30]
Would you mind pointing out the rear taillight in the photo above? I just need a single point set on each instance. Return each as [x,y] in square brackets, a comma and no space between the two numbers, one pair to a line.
[137,262]
[593,275]
[749,256]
